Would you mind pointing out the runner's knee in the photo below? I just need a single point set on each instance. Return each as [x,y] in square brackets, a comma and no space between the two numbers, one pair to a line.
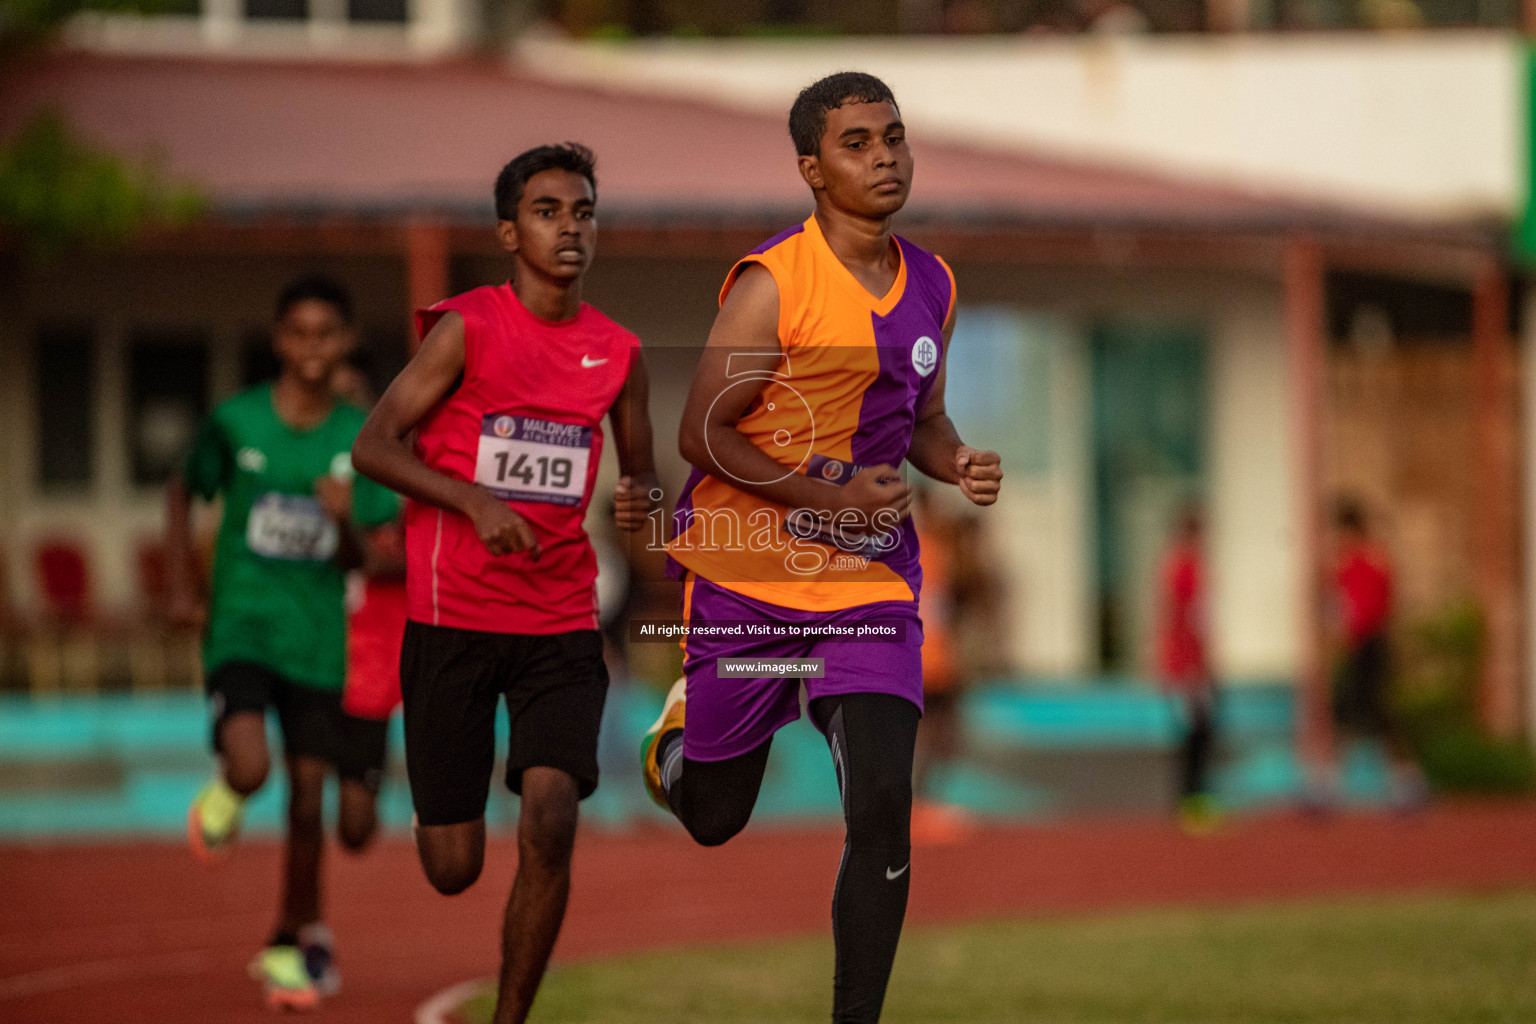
[452,872]
[714,799]
[243,745]
[452,878]
[716,826]
[357,838]
[247,773]
[880,811]
[714,819]
[358,820]
[356,831]
[546,830]
[452,855]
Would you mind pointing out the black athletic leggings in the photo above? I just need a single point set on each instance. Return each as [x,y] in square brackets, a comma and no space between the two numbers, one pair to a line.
[871,737]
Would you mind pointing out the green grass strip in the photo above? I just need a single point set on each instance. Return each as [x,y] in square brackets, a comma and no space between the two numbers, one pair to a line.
[1426,960]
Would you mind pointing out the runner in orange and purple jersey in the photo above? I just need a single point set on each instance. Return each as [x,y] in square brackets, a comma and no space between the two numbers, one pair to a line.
[824,372]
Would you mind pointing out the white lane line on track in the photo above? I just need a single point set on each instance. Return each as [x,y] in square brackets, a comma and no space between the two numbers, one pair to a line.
[437,1010]
[96,972]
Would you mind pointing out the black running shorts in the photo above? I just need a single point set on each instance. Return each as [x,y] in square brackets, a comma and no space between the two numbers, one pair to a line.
[310,718]
[362,751]
[555,686]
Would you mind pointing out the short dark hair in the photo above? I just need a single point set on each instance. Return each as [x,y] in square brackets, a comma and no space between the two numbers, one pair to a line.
[1349,515]
[1191,520]
[318,287]
[567,156]
[808,116]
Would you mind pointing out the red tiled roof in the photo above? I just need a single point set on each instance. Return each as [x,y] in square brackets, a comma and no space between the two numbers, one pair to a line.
[360,138]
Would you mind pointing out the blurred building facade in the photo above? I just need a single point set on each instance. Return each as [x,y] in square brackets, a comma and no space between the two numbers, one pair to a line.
[619,19]
[1144,317]
[1416,418]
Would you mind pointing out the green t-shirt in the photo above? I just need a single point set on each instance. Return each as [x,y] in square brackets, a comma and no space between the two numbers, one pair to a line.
[278,594]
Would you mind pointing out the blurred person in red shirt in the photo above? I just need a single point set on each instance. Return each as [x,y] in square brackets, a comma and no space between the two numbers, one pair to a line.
[1183,667]
[375,614]
[1362,683]
[940,605]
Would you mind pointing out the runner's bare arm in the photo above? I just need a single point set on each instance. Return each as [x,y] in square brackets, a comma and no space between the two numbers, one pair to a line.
[383,453]
[746,333]
[938,451]
[630,419]
[335,497]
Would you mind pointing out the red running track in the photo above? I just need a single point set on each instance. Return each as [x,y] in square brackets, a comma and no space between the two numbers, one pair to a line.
[140,934]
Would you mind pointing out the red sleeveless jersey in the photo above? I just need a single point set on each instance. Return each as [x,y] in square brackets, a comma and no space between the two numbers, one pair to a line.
[526,423]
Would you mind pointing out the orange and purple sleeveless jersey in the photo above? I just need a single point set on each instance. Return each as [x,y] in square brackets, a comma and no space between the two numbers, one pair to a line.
[855,372]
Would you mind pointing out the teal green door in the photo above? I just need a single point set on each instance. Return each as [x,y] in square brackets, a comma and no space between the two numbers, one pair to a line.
[1150,388]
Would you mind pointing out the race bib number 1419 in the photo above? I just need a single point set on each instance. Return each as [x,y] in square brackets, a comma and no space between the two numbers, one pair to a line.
[526,459]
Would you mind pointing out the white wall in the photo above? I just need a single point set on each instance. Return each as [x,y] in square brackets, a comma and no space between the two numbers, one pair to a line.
[1252,541]
[1430,123]
[1043,525]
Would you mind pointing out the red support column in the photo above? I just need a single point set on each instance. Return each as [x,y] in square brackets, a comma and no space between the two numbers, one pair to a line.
[426,268]
[1306,350]
[1495,511]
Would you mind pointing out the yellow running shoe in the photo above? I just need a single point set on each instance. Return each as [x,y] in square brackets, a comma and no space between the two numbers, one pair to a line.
[213,821]
[671,718]
[284,978]
[1199,815]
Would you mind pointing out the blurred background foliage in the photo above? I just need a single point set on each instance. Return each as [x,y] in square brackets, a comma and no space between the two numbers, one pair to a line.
[57,191]
[1437,699]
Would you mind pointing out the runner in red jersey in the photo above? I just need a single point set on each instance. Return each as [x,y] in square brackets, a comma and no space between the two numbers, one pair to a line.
[375,631]
[1362,693]
[1183,667]
[375,626]
[506,397]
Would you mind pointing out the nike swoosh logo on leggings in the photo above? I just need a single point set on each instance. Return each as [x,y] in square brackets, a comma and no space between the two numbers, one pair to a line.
[891,876]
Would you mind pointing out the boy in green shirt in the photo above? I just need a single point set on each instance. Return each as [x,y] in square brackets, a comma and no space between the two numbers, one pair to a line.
[294,518]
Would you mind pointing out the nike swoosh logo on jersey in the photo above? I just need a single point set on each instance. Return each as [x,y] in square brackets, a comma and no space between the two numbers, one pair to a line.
[891,876]
[589,362]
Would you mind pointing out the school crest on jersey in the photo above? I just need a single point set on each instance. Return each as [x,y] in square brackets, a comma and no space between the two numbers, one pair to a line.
[925,356]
